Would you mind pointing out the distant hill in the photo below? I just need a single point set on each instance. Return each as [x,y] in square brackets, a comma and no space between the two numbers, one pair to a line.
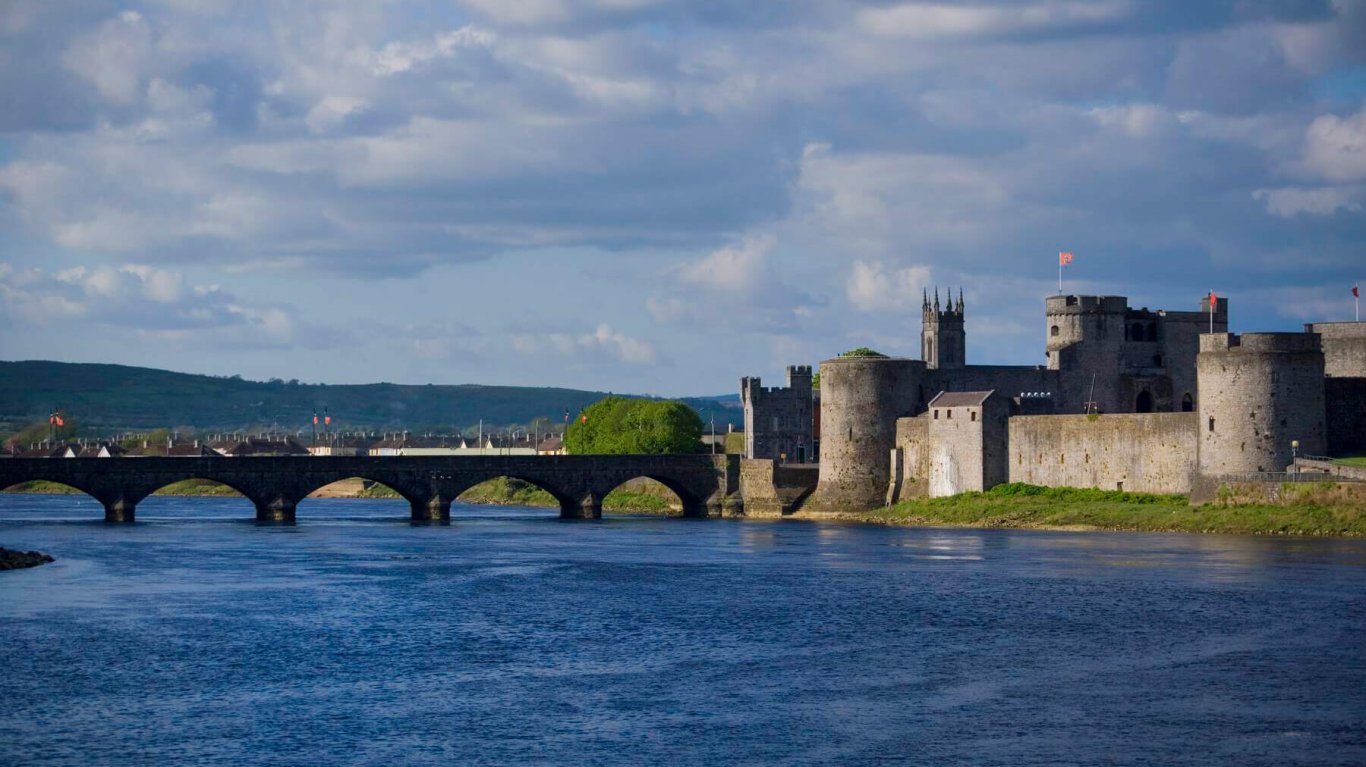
[123,397]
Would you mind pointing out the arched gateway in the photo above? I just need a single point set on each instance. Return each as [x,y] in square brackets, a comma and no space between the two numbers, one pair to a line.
[276,485]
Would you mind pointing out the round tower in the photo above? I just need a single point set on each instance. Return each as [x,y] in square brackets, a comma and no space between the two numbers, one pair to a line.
[861,398]
[1086,342]
[1259,392]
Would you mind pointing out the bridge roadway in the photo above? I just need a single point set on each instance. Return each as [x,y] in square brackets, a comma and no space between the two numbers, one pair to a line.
[276,485]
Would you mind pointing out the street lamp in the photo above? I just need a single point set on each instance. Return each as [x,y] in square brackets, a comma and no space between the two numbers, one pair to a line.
[1294,455]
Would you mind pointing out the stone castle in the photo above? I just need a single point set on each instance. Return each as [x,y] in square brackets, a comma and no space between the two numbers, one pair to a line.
[1130,399]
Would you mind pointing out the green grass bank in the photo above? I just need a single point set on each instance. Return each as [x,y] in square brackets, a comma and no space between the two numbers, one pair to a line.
[1305,509]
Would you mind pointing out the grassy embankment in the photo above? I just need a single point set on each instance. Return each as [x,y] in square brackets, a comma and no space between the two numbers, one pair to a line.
[636,496]
[1308,509]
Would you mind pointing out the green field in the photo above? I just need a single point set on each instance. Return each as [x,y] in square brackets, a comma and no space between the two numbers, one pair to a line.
[1028,506]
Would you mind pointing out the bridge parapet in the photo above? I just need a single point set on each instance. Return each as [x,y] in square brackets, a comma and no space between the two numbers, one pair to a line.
[276,484]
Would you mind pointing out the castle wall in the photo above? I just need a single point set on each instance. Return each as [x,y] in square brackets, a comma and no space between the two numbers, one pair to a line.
[1085,337]
[1345,414]
[1260,391]
[967,447]
[1007,380]
[1136,452]
[861,398]
[1344,348]
[778,422]
[771,490]
[912,460]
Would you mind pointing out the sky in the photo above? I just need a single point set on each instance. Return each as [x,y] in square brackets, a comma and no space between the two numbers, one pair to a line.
[658,196]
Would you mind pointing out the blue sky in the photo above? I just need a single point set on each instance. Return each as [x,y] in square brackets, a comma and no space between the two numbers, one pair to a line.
[657,196]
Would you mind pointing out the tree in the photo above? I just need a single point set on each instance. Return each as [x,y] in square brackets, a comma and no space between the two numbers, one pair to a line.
[620,426]
[863,351]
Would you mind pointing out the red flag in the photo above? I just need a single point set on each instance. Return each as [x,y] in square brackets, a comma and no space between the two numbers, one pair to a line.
[315,419]
[583,419]
[56,420]
[1213,300]
[327,419]
[1064,258]
[1355,293]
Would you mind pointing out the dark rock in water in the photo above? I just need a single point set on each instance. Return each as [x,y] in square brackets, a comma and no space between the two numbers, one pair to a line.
[13,560]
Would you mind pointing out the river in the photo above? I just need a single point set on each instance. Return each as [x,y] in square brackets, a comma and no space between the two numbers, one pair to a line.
[196,636]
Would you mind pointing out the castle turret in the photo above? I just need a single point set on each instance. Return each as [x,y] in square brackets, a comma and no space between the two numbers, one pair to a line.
[1259,394]
[943,342]
[861,398]
[1086,339]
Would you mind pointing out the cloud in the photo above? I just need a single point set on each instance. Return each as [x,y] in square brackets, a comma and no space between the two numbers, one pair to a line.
[734,268]
[603,341]
[945,21]
[872,287]
[1288,202]
[151,302]
[1335,147]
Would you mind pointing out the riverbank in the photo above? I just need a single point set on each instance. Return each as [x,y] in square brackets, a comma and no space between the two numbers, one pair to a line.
[1312,511]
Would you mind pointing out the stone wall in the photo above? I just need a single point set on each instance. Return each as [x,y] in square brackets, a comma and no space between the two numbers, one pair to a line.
[772,490]
[910,460]
[1345,408]
[1137,452]
[1259,393]
[1344,348]
[861,399]
[778,421]
[1007,380]
[967,445]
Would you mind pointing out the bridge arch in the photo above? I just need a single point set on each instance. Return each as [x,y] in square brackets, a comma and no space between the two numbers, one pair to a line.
[677,498]
[35,487]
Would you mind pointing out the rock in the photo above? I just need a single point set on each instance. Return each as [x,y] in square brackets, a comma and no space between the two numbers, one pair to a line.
[13,560]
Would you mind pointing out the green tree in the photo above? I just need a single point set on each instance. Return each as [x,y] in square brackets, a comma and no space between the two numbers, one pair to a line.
[863,351]
[620,426]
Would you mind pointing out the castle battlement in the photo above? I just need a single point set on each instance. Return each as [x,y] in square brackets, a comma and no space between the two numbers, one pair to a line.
[1261,343]
[1086,304]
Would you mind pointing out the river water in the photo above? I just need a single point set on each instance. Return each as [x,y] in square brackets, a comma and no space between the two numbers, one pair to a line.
[511,637]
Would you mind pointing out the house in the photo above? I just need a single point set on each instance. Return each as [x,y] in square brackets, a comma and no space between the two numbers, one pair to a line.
[551,446]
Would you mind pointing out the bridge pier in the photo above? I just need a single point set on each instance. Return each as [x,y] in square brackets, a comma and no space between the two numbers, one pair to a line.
[119,511]
[701,509]
[279,511]
[434,509]
[589,507]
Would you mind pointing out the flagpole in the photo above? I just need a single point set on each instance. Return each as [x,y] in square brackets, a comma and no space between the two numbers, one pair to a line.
[1212,301]
[1059,273]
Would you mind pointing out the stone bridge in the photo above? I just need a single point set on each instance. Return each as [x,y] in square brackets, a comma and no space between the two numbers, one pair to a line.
[276,485]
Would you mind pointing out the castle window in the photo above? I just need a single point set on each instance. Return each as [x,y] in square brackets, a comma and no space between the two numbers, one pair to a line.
[973,414]
[1187,404]
[1152,331]
[948,414]
[1053,331]
[1211,424]
[936,414]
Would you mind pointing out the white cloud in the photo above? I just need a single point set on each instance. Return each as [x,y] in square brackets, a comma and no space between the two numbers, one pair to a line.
[113,57]
[873,287]
[1335,147]
[1288,202]
[935,21]
[604,341]
[733,268]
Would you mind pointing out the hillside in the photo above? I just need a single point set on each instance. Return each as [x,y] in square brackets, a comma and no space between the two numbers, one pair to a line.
[123,397]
